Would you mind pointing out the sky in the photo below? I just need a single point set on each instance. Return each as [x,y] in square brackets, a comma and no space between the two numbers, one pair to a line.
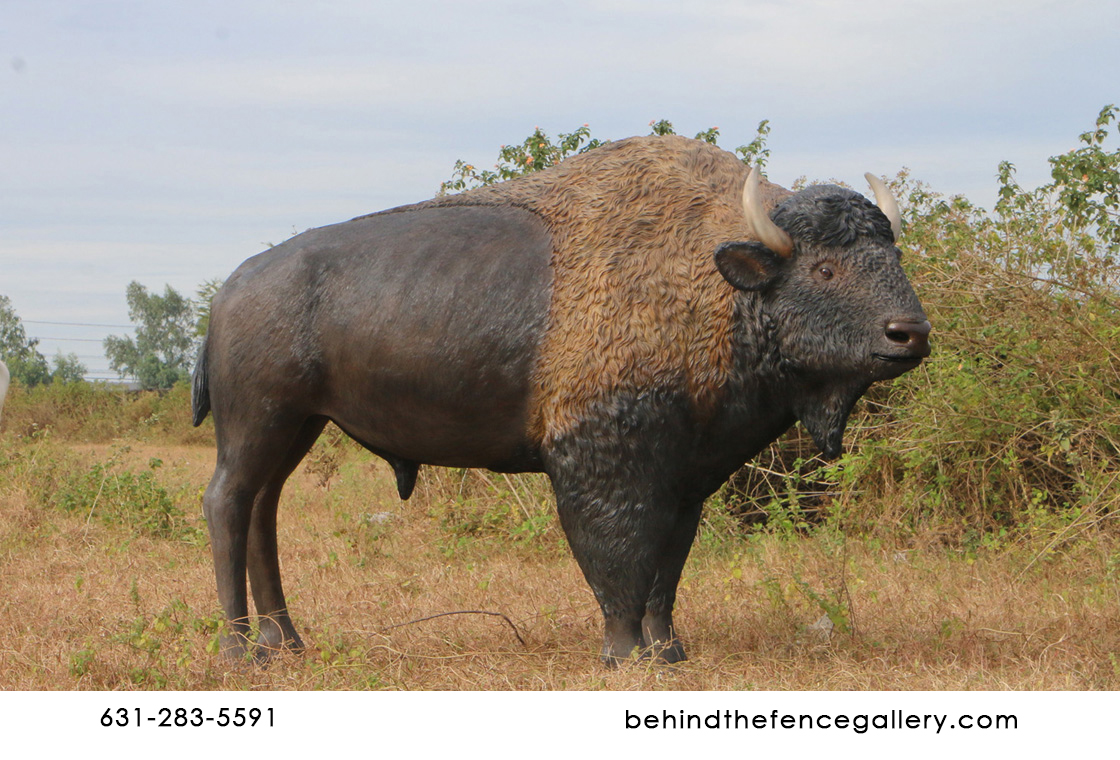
[166,142]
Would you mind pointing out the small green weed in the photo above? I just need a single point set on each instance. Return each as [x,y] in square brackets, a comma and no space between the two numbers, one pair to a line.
[117,496]
[82,660]
[165,644]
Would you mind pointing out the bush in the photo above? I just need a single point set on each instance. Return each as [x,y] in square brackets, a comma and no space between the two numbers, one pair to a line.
[1015,416]
[118,496]
[97,412]
[55,476]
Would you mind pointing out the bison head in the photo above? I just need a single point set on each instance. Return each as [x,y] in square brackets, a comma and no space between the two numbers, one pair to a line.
[832,298]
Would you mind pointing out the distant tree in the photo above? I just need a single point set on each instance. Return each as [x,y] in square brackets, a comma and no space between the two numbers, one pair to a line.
[68,369]
[753,153]
[165,327]
[19,352]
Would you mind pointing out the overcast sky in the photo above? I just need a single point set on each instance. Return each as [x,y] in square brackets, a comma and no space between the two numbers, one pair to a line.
[166,142]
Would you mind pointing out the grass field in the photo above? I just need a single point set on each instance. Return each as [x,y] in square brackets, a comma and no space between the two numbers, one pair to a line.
[107,582]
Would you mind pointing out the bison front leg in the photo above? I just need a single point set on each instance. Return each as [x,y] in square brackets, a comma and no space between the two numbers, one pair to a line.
[658,633]
[615,541]
[619,505]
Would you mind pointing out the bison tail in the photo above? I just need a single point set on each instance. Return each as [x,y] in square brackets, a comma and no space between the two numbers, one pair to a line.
[200,386]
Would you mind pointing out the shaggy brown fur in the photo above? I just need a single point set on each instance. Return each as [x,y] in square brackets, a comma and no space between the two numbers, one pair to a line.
[637,302]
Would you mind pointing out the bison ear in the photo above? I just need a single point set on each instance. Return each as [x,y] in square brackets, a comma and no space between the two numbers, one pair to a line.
[749,265]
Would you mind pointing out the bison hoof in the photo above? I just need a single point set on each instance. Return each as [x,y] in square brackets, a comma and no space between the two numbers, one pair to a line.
[658,653]
[234,647]
[612,660]
[666,653]
[275,640]
[272,641]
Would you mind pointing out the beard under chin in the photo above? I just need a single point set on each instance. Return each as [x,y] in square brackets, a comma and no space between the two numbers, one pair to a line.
[824,411]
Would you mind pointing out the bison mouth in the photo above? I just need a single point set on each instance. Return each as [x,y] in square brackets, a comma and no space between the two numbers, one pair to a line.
[893,365]
[908,359]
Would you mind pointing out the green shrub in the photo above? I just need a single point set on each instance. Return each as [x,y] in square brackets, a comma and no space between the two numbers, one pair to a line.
[97,412]
[1016,412]
[118,496]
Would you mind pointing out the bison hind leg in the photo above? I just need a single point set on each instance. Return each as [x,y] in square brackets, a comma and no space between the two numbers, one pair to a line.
[276,629]
[240,506]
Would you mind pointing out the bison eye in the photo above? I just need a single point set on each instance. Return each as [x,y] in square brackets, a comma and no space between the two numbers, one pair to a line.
[825,272]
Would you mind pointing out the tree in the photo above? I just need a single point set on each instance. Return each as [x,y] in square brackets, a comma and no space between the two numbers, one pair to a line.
[165,326]
[24,361]
[1087,183]
[537,152]
[68,369]
[1079,210]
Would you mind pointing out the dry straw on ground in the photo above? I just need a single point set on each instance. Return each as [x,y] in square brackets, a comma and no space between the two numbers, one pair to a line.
[93,603]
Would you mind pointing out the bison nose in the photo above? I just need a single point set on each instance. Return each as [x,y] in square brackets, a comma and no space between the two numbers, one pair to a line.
[913,336]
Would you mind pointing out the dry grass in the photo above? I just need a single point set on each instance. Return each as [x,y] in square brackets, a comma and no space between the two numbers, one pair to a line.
[89,604]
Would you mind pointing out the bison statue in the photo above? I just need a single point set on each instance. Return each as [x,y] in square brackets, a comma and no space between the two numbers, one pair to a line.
[637,322]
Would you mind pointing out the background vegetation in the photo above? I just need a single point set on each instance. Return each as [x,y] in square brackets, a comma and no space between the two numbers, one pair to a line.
[966,539]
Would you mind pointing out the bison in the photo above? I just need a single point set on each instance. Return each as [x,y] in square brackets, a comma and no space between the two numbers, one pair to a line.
[637,322]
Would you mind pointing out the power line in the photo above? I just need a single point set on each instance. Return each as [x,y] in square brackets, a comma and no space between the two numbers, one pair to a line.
[75,324]
[78,340]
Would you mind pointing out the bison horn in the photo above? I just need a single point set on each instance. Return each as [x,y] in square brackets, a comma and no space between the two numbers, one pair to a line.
[886,203]
[768,233]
